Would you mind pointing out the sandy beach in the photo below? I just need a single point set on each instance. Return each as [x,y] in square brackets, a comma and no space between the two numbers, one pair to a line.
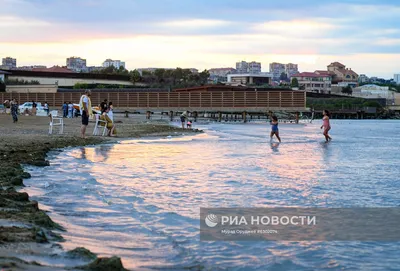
[23,226]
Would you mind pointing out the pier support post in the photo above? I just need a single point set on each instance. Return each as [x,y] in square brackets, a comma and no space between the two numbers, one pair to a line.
[297,117]
[171,115]
[219,116]
[244,114]
[195,114]
[148,115]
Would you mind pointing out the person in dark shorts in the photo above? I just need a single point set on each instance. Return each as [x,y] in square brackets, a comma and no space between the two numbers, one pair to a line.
[85,118]
[183,118]
[85,106]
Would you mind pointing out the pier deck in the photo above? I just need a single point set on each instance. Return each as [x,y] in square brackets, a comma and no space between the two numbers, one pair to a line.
[218,101]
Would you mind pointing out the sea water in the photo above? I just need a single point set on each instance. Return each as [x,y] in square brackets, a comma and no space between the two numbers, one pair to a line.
[140,199]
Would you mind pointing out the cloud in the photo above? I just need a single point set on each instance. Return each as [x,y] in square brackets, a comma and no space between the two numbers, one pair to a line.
[162,31]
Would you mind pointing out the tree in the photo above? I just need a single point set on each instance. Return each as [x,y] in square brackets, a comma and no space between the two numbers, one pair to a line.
[80,86]
[295,83]
[347,90]
[204,75]
[160,74]
[135,76]
[283,77]
[122,71]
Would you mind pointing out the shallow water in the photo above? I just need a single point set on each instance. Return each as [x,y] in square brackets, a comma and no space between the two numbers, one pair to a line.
[140,199]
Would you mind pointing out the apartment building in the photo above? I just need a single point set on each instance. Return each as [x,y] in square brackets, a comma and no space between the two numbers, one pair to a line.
[254,67]
[116,63]
[9,63]
[363,79]
[248,67]
[277,69]
[397,78]
[291,69]
[314,81]
[76,64]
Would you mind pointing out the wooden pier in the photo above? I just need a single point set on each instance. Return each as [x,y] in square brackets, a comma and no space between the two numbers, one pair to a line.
[218,101]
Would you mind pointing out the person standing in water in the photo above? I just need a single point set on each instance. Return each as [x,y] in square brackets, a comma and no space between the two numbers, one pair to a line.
[183,118]
[274,128]
[326,125]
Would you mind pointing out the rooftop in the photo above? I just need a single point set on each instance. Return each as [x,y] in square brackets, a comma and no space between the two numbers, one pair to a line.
[338,64]
[53,69]
[221,69]
[262,74]
[311,74]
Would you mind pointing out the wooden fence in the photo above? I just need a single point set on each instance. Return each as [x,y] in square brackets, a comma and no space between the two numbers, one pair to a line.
[234,100]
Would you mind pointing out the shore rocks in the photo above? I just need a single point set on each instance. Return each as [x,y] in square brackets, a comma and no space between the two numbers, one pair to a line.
[13,195]
[25,222]
[40,163]
[105,264]
[81,253]
[17,181]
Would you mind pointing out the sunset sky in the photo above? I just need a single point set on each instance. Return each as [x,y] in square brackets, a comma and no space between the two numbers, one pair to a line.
[203,34]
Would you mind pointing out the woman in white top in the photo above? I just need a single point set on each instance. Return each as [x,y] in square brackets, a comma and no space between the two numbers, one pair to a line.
[110,113]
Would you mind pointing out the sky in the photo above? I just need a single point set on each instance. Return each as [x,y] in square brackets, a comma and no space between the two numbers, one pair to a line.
[204,34]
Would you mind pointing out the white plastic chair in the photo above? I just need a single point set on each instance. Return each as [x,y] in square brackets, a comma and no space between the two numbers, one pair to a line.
[55,120]
[97,126]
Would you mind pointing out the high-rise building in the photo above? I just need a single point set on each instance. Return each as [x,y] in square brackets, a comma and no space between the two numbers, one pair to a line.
[363,79]
[242,67]
[277,69]
[291,69]
[116,63]
[397,78]
[254,67]
[248,67]
[76,64]
[9,63]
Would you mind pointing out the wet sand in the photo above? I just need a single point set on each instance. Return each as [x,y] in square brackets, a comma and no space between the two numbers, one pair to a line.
[26,229]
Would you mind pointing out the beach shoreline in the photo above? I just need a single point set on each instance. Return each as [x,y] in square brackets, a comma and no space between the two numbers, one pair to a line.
[22,222]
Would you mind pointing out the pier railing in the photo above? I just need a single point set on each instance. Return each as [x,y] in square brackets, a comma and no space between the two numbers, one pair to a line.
[221,100]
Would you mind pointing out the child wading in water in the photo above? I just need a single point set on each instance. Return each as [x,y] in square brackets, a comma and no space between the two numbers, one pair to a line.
[326,125]
[274,128]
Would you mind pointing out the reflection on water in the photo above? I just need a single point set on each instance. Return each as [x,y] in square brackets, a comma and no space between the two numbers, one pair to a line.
[140,199]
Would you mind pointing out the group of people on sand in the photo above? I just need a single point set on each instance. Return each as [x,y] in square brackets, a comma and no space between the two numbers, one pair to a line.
[325,125]
[68,110]
[85,107]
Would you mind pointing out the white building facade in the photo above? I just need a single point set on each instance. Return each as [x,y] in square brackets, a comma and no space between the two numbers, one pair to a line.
[314,82]
[249,79]
[373,92]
